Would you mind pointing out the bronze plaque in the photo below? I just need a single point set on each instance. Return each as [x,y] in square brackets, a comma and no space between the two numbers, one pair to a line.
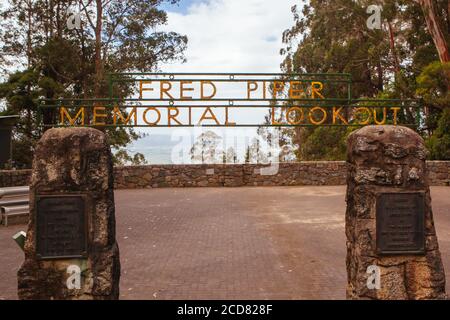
[400,223]
[61,226]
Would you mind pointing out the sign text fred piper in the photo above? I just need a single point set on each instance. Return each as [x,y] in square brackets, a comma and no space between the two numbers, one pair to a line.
[303,103]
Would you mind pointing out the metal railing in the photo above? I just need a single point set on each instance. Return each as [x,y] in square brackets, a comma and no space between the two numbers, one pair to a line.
[14,203]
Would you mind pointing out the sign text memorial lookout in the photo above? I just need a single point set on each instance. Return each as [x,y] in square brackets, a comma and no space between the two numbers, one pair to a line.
[231,100]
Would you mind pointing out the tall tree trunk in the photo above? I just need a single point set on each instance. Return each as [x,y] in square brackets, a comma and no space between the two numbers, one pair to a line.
[50,19]
[367,78]
[448,17]
[392,47]
[29,50]
[380,76]
[48,114]
[435,29]
[29,9]
[84,57]
[98,50]
[58,21]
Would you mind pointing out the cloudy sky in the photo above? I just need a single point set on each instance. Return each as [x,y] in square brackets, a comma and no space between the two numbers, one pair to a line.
[230,35]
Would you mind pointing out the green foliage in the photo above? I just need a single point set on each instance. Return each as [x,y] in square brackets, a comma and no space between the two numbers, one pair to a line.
[49,60]
[433,84]
[328,143]
[20,92]
[397,61]
[439,143]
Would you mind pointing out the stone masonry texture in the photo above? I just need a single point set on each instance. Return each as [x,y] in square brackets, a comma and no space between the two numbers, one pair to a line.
[74,161]
[388,159]
[231,175]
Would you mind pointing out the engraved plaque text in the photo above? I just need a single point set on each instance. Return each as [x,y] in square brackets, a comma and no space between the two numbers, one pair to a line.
[400,223]
[61,226]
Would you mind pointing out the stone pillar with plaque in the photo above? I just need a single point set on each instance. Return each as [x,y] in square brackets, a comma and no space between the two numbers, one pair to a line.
[392,247]
[70,249]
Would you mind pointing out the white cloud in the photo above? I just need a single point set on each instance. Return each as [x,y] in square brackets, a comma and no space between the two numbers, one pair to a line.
[232,35]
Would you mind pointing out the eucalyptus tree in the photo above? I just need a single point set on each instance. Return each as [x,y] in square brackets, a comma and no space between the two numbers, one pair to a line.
[385,62]
[64,48]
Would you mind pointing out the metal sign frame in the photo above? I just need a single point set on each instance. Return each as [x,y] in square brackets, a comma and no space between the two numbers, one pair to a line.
[84,198]
[344,101]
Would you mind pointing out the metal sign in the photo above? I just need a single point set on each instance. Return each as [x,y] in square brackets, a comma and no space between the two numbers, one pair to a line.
[230,100]
[400,223]
[61,226]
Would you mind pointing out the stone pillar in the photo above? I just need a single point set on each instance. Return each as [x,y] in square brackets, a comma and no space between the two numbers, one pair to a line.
[389,221]
[71,251]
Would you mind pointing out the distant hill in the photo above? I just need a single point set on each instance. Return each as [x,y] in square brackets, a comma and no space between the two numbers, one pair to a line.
[157,148]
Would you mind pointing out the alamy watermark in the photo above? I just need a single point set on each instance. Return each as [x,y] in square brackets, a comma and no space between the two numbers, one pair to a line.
[74,21]
[74,280]
[374,278]
[202,145]
[374,21]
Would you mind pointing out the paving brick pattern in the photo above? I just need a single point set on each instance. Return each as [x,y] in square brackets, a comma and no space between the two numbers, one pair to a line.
[230,243]
[195,245]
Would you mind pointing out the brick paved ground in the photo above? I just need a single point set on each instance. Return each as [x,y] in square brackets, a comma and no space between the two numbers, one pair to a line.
[227,243]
